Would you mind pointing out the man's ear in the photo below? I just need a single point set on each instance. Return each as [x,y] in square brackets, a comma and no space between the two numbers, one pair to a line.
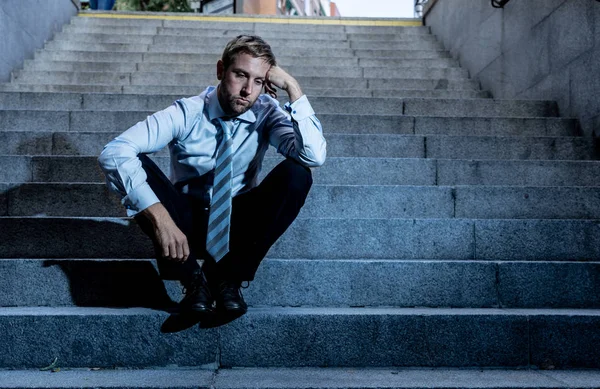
[220,70]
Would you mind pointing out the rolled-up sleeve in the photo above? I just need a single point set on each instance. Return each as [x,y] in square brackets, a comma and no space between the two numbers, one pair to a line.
[119,158]
[300,136]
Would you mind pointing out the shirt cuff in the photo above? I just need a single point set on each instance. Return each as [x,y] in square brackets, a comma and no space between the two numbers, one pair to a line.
[139,199]
[300,109]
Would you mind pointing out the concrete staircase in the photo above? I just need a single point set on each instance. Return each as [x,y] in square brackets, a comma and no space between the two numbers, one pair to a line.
[446,231]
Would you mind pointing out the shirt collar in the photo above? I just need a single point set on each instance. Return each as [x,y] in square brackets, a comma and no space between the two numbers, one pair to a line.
[215,111]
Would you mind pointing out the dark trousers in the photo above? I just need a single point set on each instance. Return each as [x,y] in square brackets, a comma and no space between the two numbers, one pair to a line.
[258,218]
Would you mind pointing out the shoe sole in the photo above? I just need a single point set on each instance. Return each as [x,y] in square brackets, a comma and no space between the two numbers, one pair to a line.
[222,317]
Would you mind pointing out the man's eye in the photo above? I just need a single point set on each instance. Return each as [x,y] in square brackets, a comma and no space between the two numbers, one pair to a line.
[240,75]
[259,82]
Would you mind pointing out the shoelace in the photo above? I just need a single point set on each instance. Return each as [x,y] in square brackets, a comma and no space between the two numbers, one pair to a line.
[197,282]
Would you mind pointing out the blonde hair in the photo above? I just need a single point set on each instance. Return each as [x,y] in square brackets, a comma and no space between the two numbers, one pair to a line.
[249,44]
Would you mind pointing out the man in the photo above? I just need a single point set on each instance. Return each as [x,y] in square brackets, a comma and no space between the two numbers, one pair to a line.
[213,208]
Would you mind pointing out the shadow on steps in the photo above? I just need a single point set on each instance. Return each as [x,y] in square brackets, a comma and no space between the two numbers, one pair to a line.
[114,283]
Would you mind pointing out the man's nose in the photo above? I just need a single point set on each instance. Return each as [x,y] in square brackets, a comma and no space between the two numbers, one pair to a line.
[247,88]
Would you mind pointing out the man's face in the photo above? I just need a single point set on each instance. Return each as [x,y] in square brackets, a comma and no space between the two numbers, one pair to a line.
[241,83]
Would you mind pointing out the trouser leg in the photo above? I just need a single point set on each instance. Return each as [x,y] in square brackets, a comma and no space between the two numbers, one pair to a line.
[181,211]
[259,217]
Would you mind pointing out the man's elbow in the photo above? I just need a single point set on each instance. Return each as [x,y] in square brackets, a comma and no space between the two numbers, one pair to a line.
[104,159]
[315,159]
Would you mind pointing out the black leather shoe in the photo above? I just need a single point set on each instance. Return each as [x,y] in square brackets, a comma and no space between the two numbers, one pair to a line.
[230,298]
[197,296]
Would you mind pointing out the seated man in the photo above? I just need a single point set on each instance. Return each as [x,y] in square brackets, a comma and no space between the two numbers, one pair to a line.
[213,209]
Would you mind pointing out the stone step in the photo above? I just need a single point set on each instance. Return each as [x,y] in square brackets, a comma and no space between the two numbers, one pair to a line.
[161,97]
[348,69]
[339,201]
[341,145]
[141,33]
[344,171]
[91,56]
[317,378]
[305,337]
[208,71]
[109,108]
[325,283]
[449,73]
[314,238]
[219,43]
[216,38]
[395,63]
[258,26]
[195,49]
[239,29]
[61,88]
[305,78]
[396,45]
[384,88]
[126,59]
[285,51]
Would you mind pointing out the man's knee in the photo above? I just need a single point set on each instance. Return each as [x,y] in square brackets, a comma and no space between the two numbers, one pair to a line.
[298,177]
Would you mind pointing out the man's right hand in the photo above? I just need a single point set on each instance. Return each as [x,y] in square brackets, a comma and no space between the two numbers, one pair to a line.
[172,241]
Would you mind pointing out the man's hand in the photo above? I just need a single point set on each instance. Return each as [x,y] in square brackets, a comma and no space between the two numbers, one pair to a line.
[277,77]
[172,241]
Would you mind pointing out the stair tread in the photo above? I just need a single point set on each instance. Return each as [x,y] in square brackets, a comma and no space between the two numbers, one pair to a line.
[296,378]
[312,311]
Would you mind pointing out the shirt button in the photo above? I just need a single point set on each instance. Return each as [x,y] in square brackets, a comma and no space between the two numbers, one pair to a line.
[294,112]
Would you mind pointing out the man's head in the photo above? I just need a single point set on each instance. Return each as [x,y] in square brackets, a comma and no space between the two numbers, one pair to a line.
[242,71]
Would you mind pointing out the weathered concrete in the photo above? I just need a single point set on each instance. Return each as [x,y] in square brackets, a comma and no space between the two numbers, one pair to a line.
[538,49]
[325,283]
[25,27]
[301,378]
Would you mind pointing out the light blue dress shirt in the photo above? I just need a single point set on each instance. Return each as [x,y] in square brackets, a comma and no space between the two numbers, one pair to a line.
[188,128]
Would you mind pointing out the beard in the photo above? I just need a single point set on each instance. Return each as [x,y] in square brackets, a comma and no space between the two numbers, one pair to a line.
[233,104]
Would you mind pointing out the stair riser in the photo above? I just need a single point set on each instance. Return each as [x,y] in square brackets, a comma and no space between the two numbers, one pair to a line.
[216,38]
[258,27]
[286,51]
[205,70]
[531,240]
[370,87]
[395,63]
[127,59]
[340,202]
[117,340]
[15,120]
[122,31]
[93,283]
[144,35]
[197,49]
[108,57]
[411,341]
[213,44]
[283,338]
[29,121]
[305,78]
[347,69]
[521,173]
[339,145]
[345,171]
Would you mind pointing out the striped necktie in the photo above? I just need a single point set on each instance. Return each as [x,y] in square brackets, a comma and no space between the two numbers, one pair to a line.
[217,236]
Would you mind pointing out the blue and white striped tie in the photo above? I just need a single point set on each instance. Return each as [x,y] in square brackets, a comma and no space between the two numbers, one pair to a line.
[217,236]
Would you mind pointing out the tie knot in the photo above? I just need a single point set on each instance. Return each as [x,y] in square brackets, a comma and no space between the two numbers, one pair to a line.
[226,126]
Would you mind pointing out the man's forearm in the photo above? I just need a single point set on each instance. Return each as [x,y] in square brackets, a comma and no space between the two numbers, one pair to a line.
[293,90]
[157,214]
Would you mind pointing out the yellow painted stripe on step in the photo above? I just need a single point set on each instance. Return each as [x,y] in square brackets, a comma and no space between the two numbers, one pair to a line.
[251,19]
